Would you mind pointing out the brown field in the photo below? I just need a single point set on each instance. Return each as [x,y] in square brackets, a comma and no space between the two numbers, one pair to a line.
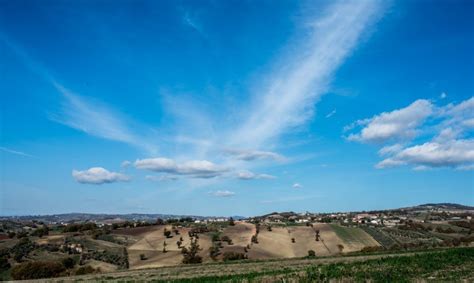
[51,239]
[277,243]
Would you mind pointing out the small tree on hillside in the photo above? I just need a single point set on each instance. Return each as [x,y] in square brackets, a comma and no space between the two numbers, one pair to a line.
[191,255]
[311,253]
[231,221]
[340,247]
[167,233]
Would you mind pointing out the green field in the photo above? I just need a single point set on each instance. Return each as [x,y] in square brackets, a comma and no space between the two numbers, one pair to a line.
[352,234]
[455,264]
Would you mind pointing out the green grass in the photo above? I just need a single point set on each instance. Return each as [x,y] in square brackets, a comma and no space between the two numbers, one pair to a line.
[447,265]
[351,234]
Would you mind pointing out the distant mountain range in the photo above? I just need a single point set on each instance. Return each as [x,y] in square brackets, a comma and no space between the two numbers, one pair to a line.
[69,217]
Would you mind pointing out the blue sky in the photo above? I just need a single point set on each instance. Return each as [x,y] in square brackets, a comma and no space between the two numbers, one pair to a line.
[235,107]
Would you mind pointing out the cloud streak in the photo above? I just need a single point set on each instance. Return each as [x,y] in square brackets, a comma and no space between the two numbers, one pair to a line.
[222,194]
[98,120]
[289,97]
[16,152]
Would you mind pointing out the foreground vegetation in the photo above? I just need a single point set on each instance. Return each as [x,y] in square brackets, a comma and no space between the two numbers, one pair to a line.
[455,264]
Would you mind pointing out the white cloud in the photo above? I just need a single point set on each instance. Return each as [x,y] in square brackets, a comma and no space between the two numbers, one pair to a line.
[390,149]
[330,114]
[451,144]
[399,124]
[98,175]
[247,175]
[222,193]
[297,186]
[251,155]
[454,153]
[443,95]
[287,99]
[194,168]
[98,120]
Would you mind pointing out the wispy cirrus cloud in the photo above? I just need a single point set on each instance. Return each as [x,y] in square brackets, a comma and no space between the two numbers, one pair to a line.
[222,194]
[288,99]
[98,176]
[16,152]
[251,155]
[99,120]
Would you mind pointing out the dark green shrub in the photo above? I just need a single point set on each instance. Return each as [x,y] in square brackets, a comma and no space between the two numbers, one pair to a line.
[37,269]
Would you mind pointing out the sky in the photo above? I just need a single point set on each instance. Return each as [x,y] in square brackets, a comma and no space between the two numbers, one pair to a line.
[235,107]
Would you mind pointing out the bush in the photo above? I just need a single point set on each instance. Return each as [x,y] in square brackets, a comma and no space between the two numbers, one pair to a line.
[4,264]
[68,262]
[311,253]
[233,256]
[85,270]
[227,239]
[142,257]
[37,269]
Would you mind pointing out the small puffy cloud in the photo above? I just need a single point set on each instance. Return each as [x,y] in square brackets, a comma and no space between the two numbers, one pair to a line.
[222,193]
[193,168]
[443,95]
[98,175]
[251,155]
[247,175]
[396,125]
[125,164]
[453,153]
[297,186]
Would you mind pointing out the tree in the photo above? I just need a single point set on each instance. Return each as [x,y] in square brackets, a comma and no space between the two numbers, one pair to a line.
[167,233]
[311,253]
[164,247]
[293,240]
[254,239]
[340,247]
[214,252]
[190,255]
[68,262]
[142,257]
[231,221]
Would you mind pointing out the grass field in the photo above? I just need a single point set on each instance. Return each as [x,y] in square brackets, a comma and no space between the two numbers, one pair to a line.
[438,265]
[354,238]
